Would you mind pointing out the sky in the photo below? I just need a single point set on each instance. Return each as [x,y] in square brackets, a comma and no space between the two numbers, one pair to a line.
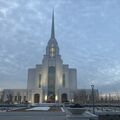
[87,31]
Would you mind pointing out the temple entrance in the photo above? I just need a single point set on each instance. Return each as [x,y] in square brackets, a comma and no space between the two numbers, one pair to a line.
[36,98]
[51,98]
[64,98]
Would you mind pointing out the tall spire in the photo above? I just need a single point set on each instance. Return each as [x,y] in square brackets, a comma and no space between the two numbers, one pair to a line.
[52,28]
[52,46]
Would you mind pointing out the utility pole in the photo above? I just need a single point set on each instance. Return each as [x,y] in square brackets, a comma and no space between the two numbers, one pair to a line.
[93,101]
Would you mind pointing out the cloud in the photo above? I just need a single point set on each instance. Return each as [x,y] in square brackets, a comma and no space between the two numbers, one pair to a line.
[88,29]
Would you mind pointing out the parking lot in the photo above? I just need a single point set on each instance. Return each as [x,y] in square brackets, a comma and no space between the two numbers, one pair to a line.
[32,116]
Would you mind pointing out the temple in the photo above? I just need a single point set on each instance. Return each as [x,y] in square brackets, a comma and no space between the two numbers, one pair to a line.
[51,82]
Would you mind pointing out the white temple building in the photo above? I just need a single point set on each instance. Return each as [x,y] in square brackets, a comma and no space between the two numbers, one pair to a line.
[52,81]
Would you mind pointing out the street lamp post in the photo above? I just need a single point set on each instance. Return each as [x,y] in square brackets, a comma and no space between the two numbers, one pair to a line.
[93,102]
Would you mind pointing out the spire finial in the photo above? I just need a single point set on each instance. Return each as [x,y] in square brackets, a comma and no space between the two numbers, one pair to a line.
[52,28]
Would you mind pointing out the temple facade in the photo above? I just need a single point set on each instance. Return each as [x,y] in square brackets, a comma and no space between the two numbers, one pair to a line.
[52,81]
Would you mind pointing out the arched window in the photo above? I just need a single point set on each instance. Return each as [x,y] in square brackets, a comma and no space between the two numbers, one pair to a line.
[63,80]
[39,80]
[51,83]
[19,98]
[24,98]
[15,98]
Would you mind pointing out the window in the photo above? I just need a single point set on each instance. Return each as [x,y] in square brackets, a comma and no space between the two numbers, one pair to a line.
[63,80]
[39,80]
[19,98]
[15,98]
[24,98]
[51,83]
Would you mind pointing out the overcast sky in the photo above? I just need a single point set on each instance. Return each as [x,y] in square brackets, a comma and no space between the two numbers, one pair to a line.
[87,31]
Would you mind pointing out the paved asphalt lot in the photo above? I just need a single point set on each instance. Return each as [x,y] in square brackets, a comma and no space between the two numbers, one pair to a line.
[32,116]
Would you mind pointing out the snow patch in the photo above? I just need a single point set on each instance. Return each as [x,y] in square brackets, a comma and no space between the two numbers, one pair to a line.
[39,108]
[62,109]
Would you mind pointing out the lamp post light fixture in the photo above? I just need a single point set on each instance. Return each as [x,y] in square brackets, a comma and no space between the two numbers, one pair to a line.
[45,98]
[93,99]
[56,98]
